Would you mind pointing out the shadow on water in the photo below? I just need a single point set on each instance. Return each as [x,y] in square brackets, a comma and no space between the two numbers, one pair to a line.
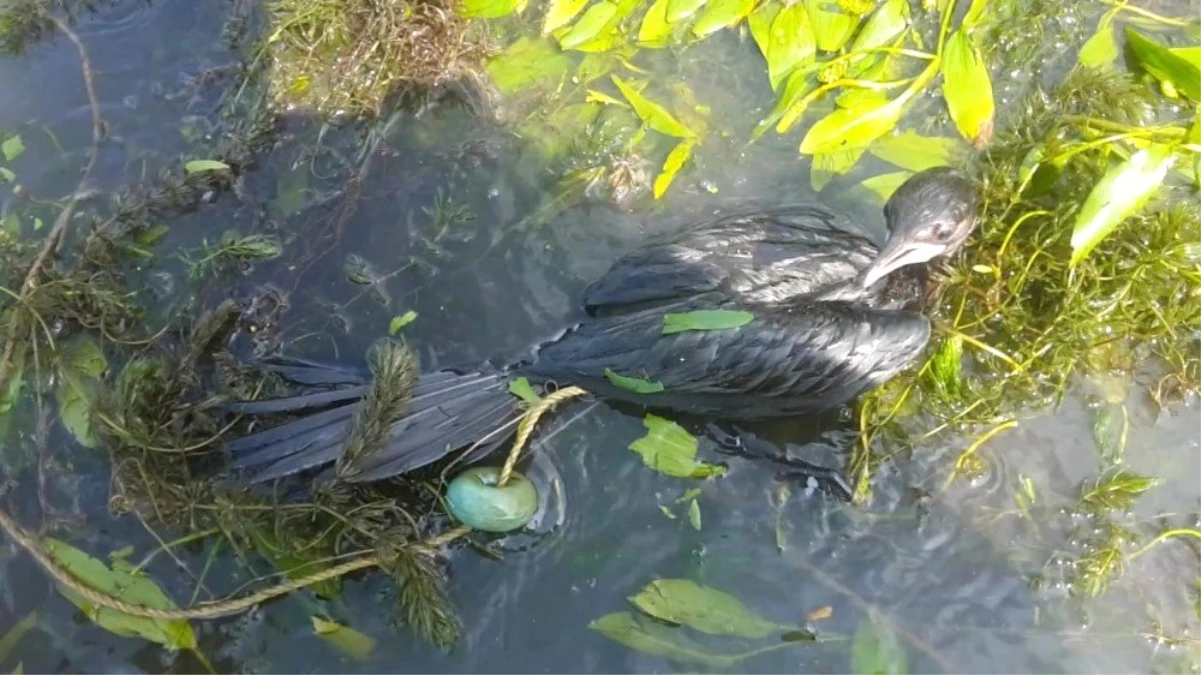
[432,231]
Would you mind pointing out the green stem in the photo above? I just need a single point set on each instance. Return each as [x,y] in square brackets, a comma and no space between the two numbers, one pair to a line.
[1164,536]
[1167,131]
[172,544]
[1148,14]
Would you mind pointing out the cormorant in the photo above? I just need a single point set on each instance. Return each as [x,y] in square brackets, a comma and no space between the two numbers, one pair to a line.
[833,316]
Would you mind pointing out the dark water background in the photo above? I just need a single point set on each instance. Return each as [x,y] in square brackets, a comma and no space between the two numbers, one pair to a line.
[947,567]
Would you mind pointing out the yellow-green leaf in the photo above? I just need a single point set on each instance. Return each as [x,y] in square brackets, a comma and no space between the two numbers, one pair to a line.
[669,449]
[526,63]
[720,14]
[1102,48]
[654,29]
[522,389]
[831,26]
[590,25]
[705,319]
[1190,54]
[637,385]
[884,185]
[1183,74]
[652,114]
[702,609]
[790,44]
[883,25]
[827,165]
[346,639]
[974,12]
[694,514]
[678,10]
[198,165]
[845,128]
[967,88]
[12,638]
[671,166]
[12,147]
[489,9]
[912,151]
[559,13]
[1119,194]
[759,23]
[400,321]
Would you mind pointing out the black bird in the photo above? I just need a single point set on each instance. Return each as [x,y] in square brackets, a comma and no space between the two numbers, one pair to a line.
[832,318]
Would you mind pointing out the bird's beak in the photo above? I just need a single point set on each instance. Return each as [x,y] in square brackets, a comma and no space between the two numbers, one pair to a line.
[898,253]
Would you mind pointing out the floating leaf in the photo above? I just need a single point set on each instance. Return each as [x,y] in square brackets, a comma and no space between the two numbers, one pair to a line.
[1117,196]
[559,13]
[705,319]
[522,389]
[1102,48]
[669,449]
[702,608]
[909,150]
[595,20]
[967,88]
[1183,74]
[694,514]
[678,10]
[844,128]
[875,650]
[12,147]
[199,165]
[1117,489]
[489,9]
[672,165]
[657,639]
[832,27]
[830,164]
[655,28]
[400,321]
[526,63]
[721,14]
[790,44]
[123,585]
[885,184]
[634,384]
[346,639]
[651,113]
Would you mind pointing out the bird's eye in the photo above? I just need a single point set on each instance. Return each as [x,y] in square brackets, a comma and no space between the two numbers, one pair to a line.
[944,231]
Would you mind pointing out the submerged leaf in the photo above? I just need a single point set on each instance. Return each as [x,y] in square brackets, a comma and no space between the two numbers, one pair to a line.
[967,88]
[671,166]
[346,639]
[12,147]
[669,449]
[1117,196]
[885,184]
[80,366]
[705,319]
[694,514]
[595,20]
[702,608]
[657,639]
[198,165]
[909,150]
[1117,489]
[721,14]
[526,63]
[832,27]
[829,164]
[634,384]
[559,13]
[521,388]
[12,638]
[876,650]
[1111,425]
[845,128]
[652,114]
[1180,71]
[400,321]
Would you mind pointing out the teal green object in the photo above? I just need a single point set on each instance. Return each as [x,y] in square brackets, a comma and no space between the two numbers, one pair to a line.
[474,500]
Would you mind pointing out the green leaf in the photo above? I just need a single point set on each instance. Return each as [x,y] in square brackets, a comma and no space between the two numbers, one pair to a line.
[655,29]
[489,9]
[759,23]
[832,27]
[1119,194]
[658,640]
[266,543]
[400,321]
[669,449]
[9,642]
[123,585]
[346,639]
[199,165]
[595,20]
[521,388]
[830,164]
[634,384]
[1117,489]
[974,12]
[967,88]
[876,650]
[705,319]
[12,147]
[1190,54]
[694,514]
[291,191]
[844,128]
[80,365]
[721,14]
[909,150]
[1102,48]
[946,367]
[559,13]
[7,175]
[887,22]
[672,165]
[1111,426]
[652,114]
[790,43]
[678,10]
[1165,65]
[83,356]
[702,608]
[885,184]
[526,63]
[150,236]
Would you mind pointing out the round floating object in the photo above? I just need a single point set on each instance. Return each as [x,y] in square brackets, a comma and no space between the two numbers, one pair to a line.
[475,500]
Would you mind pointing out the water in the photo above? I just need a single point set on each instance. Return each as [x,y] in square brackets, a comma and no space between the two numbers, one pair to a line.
[963,579]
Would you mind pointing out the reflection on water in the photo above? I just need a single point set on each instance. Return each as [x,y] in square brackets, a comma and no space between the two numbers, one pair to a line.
[962,576]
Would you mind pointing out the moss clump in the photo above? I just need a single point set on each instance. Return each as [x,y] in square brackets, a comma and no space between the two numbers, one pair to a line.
[349,56]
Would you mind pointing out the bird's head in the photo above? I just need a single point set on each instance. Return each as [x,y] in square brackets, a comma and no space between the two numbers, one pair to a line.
[930,215]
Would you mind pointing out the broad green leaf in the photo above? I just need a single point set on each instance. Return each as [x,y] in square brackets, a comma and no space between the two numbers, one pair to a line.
[12,147]
[759,23]
[844,128]
[1102,48]
[705,319]
[967,88]
[1190,54]
[702,609]
[974,12]
[887,22]
[659,640]
[559,13]
[884,185]
[123,585]
[909,150]
[669,449]
[346,639]
[719,14]
[876,650]
[1183,74]
[489,9]
[83,356]
[634,384]
[671,166]
[678,10]
[655,29]
[791,43]
[694,514]
[1119,194]
[651,113]
[831,26]
[527,63]
[522,389]
[77,396]
[7,175]
[400,321]
[595,20]
[827,165]
[198,165]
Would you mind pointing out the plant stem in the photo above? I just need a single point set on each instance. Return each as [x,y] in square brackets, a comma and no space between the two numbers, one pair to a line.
[1164,536]
[1148,14]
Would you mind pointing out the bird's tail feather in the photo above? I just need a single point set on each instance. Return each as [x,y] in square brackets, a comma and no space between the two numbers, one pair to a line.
[446,411]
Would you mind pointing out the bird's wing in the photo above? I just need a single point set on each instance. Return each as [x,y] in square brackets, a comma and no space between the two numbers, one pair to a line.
[762,256]
[805,356]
